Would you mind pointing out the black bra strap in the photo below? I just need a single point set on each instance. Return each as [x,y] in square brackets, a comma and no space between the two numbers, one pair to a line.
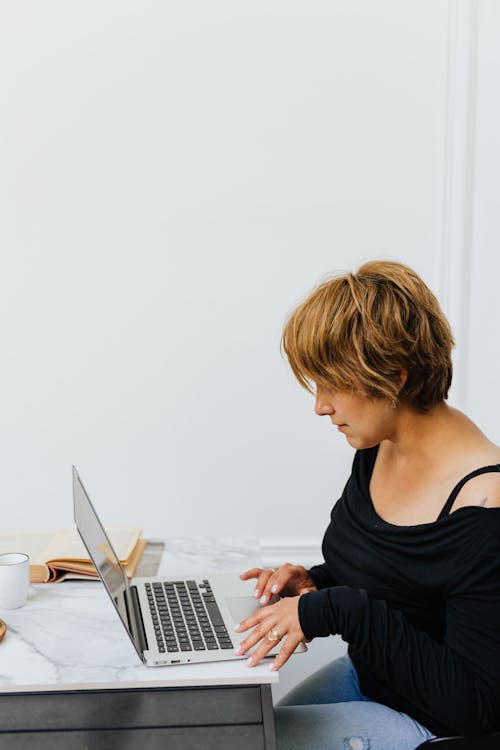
[456,490]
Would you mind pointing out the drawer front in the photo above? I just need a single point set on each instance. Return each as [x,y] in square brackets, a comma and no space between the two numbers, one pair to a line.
[243,737]
[121,709]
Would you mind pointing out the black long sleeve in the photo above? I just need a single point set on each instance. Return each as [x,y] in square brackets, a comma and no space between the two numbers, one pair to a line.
[321,576]
[419,608]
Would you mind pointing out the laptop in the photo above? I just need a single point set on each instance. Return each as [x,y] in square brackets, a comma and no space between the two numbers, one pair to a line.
[168,620]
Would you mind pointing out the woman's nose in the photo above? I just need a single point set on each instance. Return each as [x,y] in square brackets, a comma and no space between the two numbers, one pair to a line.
[322,407]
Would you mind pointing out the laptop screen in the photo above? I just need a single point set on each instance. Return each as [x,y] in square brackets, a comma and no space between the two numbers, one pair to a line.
[99,548]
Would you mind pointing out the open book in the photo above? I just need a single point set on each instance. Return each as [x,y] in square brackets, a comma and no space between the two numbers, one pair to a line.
[58,555]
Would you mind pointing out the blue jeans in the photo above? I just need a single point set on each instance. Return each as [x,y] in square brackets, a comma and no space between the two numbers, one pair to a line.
[327,711]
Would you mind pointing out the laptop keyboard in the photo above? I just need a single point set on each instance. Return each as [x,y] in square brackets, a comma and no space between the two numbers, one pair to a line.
[186,617]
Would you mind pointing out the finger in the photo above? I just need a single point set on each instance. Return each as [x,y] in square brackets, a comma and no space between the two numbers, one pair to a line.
[285,618]
[273,585]
[289,645]
[252,573]
[259,633]
[282,582]
[261,575]
[259,638]
[253,620]
[261,585]
[260,652]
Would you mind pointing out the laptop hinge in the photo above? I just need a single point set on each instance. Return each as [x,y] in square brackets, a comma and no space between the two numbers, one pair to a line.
[136,620]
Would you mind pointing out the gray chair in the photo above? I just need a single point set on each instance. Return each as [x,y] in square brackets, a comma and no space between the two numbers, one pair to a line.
[484,742]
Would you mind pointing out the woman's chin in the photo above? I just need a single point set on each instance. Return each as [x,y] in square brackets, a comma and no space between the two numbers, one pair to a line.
[361,443]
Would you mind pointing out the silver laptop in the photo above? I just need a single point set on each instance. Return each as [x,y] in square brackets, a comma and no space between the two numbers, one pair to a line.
[169,621]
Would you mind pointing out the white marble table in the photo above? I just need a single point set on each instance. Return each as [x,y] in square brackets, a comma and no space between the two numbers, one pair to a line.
[68,635]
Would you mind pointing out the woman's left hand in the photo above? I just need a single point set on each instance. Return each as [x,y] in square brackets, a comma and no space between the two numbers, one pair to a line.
[271,624]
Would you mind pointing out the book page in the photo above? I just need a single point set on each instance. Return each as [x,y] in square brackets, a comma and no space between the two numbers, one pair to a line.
[42,546]
[32,543]
[67,545]
[66,569]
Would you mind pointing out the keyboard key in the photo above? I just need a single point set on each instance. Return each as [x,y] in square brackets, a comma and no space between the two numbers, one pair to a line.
[214,614]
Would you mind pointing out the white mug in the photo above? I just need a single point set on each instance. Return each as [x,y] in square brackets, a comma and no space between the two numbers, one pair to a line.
[14,579]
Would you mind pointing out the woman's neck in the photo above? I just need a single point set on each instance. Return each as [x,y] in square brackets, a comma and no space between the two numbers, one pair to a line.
[421,438]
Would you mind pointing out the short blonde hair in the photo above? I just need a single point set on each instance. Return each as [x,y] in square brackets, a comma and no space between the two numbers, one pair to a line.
[361,331]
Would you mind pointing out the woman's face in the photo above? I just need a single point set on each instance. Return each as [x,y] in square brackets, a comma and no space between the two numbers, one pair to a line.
[364,421]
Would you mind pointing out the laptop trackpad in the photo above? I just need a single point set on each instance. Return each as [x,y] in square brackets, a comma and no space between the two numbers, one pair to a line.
[241,607]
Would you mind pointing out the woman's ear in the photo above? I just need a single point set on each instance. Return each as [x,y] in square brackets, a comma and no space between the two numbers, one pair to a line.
[403,377]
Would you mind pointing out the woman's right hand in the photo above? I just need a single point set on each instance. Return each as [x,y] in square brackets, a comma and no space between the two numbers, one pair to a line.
[287,580]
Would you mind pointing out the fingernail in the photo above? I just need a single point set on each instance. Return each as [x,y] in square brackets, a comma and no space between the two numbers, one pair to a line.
[273,668]
[249,662]
[237,627]
[256,593]
[274,588]
[263,599]
[238,652]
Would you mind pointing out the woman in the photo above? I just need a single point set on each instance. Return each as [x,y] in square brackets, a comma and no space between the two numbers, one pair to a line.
[411,577]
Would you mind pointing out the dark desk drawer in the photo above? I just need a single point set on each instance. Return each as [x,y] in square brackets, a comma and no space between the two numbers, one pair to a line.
[242,737]
[120,709]
[142,719]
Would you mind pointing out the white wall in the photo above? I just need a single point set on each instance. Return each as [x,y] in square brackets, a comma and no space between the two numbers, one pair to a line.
[174,177]
[484,300]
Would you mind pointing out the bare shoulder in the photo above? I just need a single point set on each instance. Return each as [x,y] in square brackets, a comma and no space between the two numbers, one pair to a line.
[471,450]
[482,490]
